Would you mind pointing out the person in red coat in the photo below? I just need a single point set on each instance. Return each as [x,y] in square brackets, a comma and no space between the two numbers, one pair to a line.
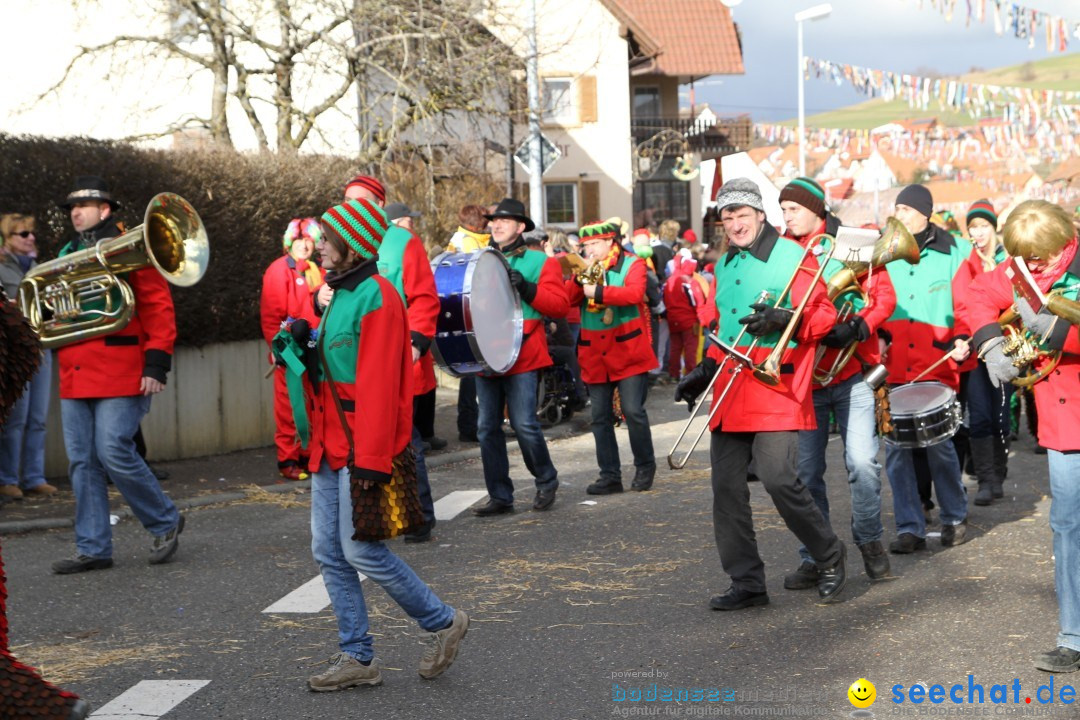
[755,419]
[685,303]
[106,383]
[1042,235]
[614,352]
[846,396]
[287,290]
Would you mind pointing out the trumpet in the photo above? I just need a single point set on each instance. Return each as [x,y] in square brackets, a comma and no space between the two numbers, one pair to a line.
[1022,346]
[895,243]
[768,371]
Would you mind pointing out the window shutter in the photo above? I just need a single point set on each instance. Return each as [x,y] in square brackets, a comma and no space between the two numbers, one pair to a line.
[587,98]
[590,201]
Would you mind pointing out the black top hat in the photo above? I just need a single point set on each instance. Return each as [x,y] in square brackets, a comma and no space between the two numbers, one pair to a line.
[514,209]
[89,187]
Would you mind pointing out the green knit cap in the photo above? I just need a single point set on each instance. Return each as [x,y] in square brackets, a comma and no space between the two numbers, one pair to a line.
[360,223]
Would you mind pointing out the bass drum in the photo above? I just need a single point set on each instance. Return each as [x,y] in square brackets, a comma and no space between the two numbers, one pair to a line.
[923,414]
[480,325]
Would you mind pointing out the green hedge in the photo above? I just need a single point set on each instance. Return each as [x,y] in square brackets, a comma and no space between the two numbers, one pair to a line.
[245,201]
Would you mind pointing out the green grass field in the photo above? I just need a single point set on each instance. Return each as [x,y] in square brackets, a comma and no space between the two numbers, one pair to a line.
[1056,73]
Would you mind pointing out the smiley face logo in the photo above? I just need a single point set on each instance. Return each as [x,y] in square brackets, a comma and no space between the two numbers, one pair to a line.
[862,693]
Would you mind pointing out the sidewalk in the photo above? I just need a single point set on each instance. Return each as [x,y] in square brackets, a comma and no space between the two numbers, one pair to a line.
[225,478]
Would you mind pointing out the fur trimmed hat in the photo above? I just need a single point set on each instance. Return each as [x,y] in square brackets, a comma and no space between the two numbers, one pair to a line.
[360,223]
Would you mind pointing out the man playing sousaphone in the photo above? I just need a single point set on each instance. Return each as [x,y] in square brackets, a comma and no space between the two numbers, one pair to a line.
[929,320]
[614,352]
[1042,234]
[846,395]
[757,420]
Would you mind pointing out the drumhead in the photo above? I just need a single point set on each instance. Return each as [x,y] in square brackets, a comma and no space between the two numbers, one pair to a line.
[919,397]
[495,310]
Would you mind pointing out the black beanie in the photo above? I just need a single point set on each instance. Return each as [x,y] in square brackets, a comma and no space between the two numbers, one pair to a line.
[918,198]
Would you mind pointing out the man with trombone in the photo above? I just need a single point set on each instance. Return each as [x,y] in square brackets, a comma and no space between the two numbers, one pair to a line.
[763,396]
[863,304]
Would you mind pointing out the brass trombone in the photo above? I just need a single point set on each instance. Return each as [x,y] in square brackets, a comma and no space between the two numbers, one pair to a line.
[767,371]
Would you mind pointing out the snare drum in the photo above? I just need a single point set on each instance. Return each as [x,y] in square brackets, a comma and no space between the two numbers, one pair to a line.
[480,325]
[923,414]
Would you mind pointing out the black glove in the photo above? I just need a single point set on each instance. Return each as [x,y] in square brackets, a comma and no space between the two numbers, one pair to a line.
[695,382]
[846,333]
[766,319]
[525,288]
[999,366]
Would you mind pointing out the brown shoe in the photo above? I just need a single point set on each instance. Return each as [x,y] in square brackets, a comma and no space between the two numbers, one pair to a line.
[41,490]
[11,491]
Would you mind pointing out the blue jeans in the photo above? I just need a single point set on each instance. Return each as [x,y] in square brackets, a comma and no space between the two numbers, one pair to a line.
[340,558]
[423,484]
[518,392]
[950,490]
[987,406]
[22,439]
[1065,522]
[632,398]
[853,402]
[98,436]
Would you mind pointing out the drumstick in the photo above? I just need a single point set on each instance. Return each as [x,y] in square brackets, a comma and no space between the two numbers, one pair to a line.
[945,357]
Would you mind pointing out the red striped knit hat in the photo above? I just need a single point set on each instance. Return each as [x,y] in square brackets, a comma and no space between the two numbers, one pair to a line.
[360,223]
[370,184]
[982,209]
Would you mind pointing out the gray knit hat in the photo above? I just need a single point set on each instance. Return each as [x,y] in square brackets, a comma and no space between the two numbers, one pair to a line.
[739,191]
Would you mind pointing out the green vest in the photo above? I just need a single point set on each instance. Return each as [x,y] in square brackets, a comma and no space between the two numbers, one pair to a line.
[339,330]
[391,262]
[740,278]
[529,264]
[622,314]
[924,291]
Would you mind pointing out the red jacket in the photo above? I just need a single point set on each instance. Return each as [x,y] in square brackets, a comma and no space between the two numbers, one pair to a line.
[550,301]
[753,406]
[422,303]
[113,365]
[1057,397]
[881,302]
[285,293]
[683,297]
[625,349]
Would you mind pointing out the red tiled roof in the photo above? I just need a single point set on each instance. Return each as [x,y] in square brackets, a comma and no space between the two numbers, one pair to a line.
[693,37]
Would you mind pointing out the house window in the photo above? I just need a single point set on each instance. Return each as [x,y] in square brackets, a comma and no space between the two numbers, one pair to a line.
[646,102]
[560,204]
[662,197]
[558,101]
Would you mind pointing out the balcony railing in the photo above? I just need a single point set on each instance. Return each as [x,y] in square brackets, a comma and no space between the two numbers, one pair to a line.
[727,135]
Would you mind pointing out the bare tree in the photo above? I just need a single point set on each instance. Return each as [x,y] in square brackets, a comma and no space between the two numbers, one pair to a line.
[409,61]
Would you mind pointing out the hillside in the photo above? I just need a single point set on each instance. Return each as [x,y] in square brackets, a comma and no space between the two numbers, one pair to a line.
[1056,73]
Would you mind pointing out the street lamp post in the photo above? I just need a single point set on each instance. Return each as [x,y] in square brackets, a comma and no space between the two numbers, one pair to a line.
[814,13]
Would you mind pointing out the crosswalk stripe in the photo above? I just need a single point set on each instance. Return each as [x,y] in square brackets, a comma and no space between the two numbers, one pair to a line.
[311,597]
[148,699]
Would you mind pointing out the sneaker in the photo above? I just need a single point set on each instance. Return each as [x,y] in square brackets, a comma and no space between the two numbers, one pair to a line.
[444,647]
[164,547]
[81,563]
[345,671]
[42,490]
[954,534]
[906,543]
[11,491]
[292,472]
[806,577]
[1058,660]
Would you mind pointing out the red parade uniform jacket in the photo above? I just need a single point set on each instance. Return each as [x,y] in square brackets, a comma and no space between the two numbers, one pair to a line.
[285,293]
[608,354]
[881,302]
[550,301]
[684,297]
[1057,396]
[751,405]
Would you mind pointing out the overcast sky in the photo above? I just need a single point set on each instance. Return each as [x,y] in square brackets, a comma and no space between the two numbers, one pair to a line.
[883,34]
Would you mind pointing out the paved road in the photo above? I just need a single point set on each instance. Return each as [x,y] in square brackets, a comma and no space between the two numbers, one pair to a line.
[572,609]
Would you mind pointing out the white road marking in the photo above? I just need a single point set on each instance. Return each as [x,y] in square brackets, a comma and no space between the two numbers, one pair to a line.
[311,597]
[149,699]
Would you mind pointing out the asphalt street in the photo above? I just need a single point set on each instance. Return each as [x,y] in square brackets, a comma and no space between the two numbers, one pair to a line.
[574,611]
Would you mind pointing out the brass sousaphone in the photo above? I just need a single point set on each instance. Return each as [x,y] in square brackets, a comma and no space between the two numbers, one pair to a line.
[81,296]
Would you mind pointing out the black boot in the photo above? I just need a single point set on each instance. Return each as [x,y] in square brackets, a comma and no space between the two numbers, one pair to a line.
[1001,467]
[643,479]
[982,454]
[875,559]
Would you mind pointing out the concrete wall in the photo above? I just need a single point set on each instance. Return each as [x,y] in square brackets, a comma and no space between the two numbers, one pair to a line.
[216,401]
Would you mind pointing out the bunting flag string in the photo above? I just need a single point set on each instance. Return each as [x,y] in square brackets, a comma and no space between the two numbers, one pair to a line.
[1008,17]
[977,100]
